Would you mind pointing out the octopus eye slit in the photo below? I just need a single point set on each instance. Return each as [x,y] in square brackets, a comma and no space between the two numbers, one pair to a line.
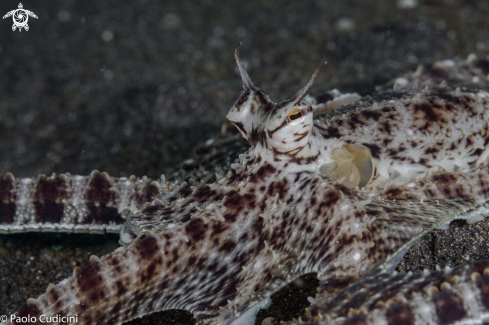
[295,115]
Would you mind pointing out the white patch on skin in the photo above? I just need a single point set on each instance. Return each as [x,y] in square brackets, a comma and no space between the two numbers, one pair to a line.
[345,207]
[383,167]
[475,218]
[444,226]
[334,104]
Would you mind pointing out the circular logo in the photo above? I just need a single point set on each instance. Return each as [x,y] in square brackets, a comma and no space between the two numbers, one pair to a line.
[20,18]
[3,318]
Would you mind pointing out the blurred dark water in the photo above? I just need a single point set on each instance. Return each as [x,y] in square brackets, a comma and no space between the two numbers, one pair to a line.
[132,87]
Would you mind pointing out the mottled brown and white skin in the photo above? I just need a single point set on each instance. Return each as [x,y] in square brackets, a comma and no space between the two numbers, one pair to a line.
[450,296]
[222,251]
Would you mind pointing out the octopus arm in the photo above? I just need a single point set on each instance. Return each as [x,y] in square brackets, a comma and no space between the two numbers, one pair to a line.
[64,203]
[448,296]
[152,273]
[353,237]
[393,227]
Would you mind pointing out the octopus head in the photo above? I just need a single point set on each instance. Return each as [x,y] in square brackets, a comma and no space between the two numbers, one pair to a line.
[290,123]
[251,109]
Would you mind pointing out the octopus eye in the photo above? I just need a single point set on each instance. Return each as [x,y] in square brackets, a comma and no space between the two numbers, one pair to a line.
[295,115]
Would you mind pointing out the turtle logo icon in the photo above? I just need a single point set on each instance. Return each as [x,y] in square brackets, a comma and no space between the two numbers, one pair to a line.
[20,16]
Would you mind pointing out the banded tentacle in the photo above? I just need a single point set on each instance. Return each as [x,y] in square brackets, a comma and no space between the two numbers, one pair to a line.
[450,296]
[97,203]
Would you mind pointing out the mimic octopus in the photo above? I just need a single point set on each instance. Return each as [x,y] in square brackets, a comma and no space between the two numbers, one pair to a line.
[339,191]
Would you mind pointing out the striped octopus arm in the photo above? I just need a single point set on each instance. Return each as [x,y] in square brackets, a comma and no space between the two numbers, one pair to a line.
[450,296]
[97,203]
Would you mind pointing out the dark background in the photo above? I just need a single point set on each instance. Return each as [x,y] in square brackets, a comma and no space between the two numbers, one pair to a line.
[132,87]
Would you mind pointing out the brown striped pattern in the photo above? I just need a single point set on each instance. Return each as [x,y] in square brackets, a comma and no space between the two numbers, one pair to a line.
[445,185]
[71,203]
[436,297]
[7,199]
